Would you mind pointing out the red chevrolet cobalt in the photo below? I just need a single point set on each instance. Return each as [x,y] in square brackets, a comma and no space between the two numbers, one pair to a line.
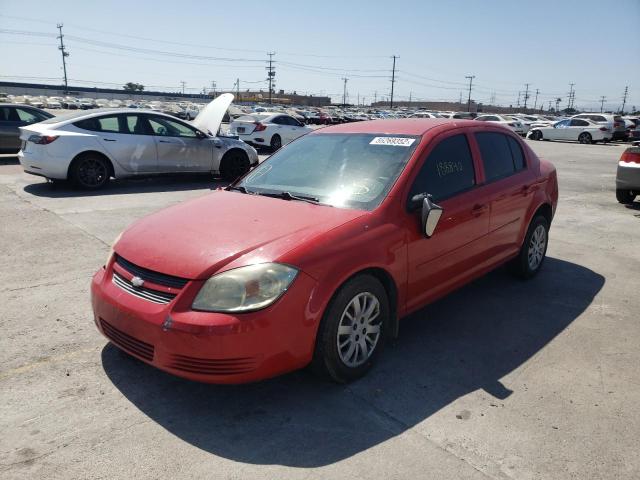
[315,255]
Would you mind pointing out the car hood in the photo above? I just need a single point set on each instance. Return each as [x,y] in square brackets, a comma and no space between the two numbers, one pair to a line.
[210,117]
[197,238]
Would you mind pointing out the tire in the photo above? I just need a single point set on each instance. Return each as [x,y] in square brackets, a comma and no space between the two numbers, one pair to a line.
[276,142]
[625,197]
[344,350]
[90,172]
[584,138]
[234,165]
[536,135]
[534,249]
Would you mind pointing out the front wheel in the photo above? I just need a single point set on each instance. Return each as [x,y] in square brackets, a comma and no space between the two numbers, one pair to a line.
[625,196]
[584,138]
[234,165]
[534,249]
[352,331]
[536,135]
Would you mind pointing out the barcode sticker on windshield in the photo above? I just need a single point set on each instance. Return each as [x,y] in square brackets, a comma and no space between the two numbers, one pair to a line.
[395,141]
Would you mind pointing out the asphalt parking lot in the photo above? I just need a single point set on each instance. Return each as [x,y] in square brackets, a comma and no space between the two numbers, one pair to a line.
[502,379]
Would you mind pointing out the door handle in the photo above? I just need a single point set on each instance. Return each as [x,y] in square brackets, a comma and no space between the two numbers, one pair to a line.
[109,140]
[478,209]
[165,141]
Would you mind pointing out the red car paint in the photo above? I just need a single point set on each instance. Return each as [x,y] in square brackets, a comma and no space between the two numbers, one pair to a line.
[479,230]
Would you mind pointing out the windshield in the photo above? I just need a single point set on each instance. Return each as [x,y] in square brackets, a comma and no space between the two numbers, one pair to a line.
[342,170]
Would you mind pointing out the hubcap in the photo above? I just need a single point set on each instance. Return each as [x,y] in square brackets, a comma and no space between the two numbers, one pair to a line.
[583,138]
[359,329]
[92,172]
[537,247]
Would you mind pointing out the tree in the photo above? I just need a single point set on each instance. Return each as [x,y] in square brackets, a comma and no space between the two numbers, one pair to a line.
[133,87]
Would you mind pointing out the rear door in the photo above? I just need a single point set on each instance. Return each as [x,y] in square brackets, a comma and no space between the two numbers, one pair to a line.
[179,147]
[576,126]
[509,186]
[456,250]
[127,140]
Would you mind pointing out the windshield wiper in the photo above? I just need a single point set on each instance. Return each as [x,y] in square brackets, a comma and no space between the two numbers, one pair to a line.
[238,189]
[290,196]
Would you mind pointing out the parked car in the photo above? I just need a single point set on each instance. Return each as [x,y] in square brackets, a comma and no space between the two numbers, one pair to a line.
[614,123]
[628,175]
[87,103]
[12,117]
[514,125]
[268,129]
[573,129]
[89,148]
[314,256]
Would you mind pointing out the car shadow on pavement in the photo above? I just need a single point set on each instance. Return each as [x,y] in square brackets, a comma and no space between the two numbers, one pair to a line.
[464,342]
[162,183]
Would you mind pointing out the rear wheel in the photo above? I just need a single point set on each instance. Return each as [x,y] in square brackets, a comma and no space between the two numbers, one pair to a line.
[90,171]
[276,142]
[234,164]
[625,196]
[584,138]
[534,249]
[536,135]
[352,332]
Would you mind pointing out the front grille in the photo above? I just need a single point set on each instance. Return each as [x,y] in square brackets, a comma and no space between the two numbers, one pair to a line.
[150,275]
[127,342]
[210,366]
[155,296]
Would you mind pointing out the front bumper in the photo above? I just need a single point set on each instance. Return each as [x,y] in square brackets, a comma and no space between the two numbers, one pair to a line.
[628,176]
[203,346]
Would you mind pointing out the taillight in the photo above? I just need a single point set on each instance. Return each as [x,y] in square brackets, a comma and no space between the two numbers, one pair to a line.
[631,155]
[42,139]
[260,127]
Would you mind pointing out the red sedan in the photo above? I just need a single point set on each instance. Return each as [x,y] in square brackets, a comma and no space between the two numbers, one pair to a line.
[315,255]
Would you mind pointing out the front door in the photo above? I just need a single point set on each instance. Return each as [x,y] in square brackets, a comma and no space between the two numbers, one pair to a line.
[180,148]
[457,247]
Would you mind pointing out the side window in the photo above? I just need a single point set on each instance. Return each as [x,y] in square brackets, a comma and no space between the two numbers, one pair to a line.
[279,121]
[137,125]
[169,128]
[562,124]
[496,155]
[100,124]
[516,153]
[8,114]
[576,122]
[28,116]
[447,170]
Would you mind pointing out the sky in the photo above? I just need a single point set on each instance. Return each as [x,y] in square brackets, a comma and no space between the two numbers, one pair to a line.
[504,44]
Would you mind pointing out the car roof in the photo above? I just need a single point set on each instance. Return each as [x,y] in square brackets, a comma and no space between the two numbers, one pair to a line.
[401,126]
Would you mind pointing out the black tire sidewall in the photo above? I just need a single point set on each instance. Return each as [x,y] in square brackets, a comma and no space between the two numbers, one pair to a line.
[624,196]
[326,357]
[227,170]
[585,135]
[271,143]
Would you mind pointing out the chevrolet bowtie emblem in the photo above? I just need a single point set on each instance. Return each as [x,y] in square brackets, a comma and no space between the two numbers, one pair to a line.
[137,282]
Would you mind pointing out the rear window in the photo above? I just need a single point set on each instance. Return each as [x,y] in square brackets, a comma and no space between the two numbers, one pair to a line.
[501,155]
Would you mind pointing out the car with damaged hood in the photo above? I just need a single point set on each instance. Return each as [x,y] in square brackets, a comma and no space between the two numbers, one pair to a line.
[314,256]
[89,148]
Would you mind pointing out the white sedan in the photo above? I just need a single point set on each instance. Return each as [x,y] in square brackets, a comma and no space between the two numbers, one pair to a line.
[268,129]
[90,147]
[574,129]
[514,125]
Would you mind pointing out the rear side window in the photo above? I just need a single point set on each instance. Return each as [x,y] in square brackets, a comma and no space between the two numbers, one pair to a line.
[101,124]
[498,155]
[448,170]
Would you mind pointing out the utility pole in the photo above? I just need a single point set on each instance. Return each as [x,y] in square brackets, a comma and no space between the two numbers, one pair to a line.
[549,106]
[183,83]
[410,98]
[518,103]
[526,96]
[624,98]
[460,100]
[237,89]
[213,88]
[358,103]
[558,100]
[375,97]
[571,96]
[64,55]
[393,78]
[536,100]
[271,74]
[470,77]
[344,92]
[602,99]
[492,100]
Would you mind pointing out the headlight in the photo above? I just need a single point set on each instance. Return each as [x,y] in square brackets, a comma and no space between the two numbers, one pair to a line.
[244,289]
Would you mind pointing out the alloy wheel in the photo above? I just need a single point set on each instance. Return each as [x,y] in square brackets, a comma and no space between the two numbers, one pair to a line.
[359,329]
[537,246]
[92,172]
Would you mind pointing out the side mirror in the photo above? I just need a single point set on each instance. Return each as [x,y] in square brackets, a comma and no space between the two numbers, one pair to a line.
[430,214]
[200,134]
